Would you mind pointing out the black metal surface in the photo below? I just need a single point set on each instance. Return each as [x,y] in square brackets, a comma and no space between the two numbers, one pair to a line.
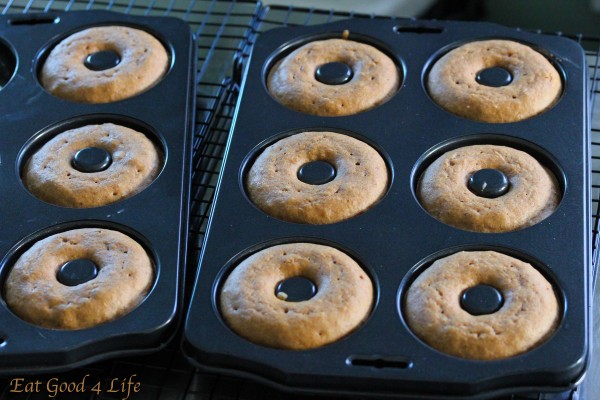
[388,250]
[224,29]
[8,62]
[33,116]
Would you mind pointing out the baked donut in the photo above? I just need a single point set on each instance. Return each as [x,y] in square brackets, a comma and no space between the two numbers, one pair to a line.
[249,304]
[534,84]
[532,196]
[529,314]
[124,277]
[51,176]
[274,186]
[140,62]
[374,78]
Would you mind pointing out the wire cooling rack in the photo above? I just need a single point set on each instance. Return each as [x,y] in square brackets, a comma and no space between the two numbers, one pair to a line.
[225,32]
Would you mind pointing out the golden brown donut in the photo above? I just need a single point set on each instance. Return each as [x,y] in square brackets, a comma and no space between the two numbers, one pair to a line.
[536,85]
[251,308]
[292,80]
[273,185]
[530,312]
[51,177]
[144,61]
[125,275]
[533,193]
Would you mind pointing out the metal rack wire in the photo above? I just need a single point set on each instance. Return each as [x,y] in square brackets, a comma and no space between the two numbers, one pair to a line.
[225,32]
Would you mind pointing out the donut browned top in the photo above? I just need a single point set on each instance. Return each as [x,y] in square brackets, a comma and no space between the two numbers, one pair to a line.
[144,61]
[273,184]
[292,80]
[125,275]
[530,312]
[50,175]
[251,308]
[535,86]
[533,194]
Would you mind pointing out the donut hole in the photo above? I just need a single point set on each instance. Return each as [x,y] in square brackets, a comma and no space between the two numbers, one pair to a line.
[490,183]
[296,289]
[102,59]
[77,271]
[494,76]
[8,64]
[317,172]
[481,299]
[92,159]
[334,73]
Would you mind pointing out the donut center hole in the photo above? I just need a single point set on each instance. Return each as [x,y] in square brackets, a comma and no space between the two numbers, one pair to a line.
[489,183]
[316,172]
[481,300]
[295,289]
[8,63]
[91,159]
[334,73]
[494,77]
[102,60]
[76,272]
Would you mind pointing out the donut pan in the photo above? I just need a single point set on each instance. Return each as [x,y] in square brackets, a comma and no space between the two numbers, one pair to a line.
[156,217]
[396,239]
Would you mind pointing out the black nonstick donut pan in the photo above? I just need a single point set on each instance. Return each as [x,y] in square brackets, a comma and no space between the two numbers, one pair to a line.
[157,217]
[397,238]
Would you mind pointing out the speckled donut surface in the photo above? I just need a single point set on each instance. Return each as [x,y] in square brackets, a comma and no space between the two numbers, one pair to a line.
[50,175]
[533,193]
[144,61]
[292,82]
[273,185]
[343,300]
[535,86]
[125,275]
[530,312]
